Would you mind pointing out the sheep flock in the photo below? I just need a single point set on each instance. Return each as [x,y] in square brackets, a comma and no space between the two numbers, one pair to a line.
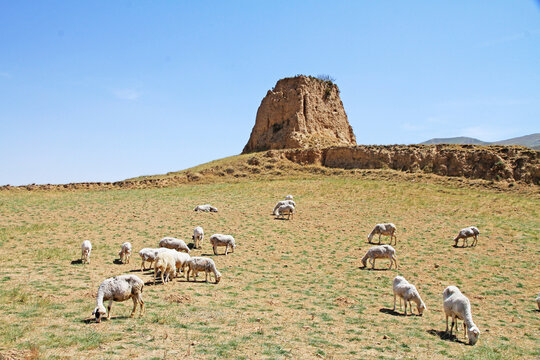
[171,258]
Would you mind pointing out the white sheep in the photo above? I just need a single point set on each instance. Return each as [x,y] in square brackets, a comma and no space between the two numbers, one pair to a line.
[149,254]
[285,210]
[222,240]
[380,252]
[281,203]
[387,229]
[166,264]
[288,197]
[457,305]
[198,237]
[172,243]
[407,292]
[466,233]
[119,288]
[86,249]
[196,264]
[205,208]
[181,259]
[125,253]
[538,301]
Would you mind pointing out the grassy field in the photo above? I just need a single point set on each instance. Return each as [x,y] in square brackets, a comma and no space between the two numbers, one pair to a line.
[293,289]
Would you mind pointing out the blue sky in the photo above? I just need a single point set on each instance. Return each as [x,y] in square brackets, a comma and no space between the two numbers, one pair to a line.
[103,91]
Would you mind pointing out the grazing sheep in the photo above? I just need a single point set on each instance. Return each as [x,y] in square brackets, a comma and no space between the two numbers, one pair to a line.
[149,254]
[288,197]
[119,288]
[281,203]
[181,259]
[86,249]
[172,243]
[285,210]
[222,240]
[387,229]
[538,301]
[196,264]
[205,208]
[466,233]
[166,264]
[380,252]
[198,236]
[407,292]
[125,253]
[457,305]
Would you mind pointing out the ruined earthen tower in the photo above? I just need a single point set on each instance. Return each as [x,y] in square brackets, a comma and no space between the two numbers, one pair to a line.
[300,112]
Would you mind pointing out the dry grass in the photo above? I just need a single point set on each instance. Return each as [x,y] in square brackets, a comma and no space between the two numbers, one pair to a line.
[292,289]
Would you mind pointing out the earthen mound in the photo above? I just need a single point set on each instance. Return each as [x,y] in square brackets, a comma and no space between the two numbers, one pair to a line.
[301,112]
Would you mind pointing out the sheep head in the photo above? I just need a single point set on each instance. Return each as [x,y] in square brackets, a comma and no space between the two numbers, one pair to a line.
[218,277]
[473,334]
[99,312]
[421,308]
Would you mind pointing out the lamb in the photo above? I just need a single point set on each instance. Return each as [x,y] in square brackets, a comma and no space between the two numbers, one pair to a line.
[285,210]
[380,252]
[281,203]
[205,208]
[119,288]
[387,229]
[222,240]
[149,254]
[466,233]
[196,264]
[172,243]
[407,292]
[458,306]
[166,264]
[125,253]
[288,197]
[86,249]
[198,235]
[538,301]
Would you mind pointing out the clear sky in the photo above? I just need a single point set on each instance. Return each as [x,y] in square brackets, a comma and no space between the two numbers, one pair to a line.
[107,90]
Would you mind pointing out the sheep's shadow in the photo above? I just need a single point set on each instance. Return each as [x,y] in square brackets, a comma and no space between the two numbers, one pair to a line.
[209,254]
[76,262]
[391,312]
[118,262]
[372,269]
[191,246]
[93,319]
[443,335]
[281,218]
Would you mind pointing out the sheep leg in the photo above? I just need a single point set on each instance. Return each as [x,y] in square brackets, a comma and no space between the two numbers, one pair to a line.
[446,323]
[141,302]
[206,276]
[162,279]
[226,249]
[400,307]
[405,301]
[394,258]
[215,249]
[464,330]
[373,263]
[109,309]
[135,302]
[379,238]
[453,322]
[394,309]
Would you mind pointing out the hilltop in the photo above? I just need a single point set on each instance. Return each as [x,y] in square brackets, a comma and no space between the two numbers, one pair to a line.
[531,141]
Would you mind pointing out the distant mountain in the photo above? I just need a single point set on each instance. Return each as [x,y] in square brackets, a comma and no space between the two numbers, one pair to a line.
[455,140]
[532,141]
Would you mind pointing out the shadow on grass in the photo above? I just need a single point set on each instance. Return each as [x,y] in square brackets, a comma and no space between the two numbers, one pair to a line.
[443,335]
[281,219]
[371,269]
[76,262]
[118,262]
[93,319]
[391,312]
